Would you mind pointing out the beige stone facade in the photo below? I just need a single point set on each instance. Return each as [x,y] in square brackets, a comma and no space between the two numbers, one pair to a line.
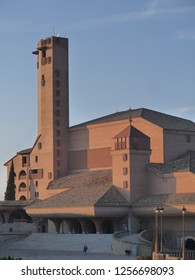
[98,172]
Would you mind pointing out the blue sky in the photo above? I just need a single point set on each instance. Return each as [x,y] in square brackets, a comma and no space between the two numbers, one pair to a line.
[122,54]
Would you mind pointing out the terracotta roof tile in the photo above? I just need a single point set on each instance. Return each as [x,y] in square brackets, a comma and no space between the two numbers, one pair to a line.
[86,178]
[184,162]
[163,120]
[168,199]
[90,188]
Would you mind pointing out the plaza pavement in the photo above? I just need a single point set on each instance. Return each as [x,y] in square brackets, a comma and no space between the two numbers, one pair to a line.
[48,246]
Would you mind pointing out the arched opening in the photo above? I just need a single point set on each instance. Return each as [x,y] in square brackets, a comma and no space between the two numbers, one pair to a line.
[76,227]
[22,174]
[190,244]
[22,197]
[91,228]
[22,186]
[107,227]
[43,228]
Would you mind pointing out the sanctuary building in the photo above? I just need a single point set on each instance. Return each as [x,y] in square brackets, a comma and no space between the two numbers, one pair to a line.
[107,174]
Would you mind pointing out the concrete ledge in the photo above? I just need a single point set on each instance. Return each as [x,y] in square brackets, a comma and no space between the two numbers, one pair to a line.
[130,247]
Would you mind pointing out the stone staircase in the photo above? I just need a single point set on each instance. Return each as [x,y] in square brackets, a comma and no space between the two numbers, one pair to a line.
[97,243]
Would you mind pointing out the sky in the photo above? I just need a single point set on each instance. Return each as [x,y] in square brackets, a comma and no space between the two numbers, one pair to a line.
[122,54]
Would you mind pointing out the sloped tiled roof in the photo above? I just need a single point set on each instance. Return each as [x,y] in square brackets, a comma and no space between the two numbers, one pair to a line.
[86,178]
[131,132]
[25,152]
[168,199]
[90,188]
[163,120]
[185,162]
[84,196]
[18,203]
[112,198]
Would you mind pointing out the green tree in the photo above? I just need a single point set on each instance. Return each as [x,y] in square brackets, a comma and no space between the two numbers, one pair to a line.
[11,187]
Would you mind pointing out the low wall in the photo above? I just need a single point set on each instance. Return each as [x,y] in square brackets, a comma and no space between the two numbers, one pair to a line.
[123,247]
[11,236]
[18,227]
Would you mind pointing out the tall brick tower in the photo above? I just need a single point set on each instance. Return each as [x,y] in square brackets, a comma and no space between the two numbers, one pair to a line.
[53,106]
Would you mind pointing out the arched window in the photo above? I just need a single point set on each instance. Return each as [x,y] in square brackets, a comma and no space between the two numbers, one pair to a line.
[22,174]
[22,187]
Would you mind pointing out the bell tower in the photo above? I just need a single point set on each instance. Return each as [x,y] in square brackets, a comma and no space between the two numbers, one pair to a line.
[53,105]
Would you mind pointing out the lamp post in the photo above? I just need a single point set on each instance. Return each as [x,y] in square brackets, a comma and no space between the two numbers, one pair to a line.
[161,209]
[157,211]
[183,231]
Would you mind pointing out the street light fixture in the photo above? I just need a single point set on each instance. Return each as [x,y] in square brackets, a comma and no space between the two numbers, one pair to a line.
[161,209]
[157,211]
[183,231]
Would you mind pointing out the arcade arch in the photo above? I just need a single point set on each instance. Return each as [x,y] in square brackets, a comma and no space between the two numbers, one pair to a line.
[190,244]
[107,227]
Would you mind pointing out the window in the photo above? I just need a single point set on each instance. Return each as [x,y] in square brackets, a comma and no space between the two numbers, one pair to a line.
[58,123]
[58,153]
[125,171]
[36,183]
[58,132]
[125,157]
[57,103]
[22,187]
[57,83]
[39,145]
[24,160]
[57,73]
[57,93]
[48,41]
[58,143]
[57,113]
[125,184]
[36,194]
[36,158]
[121,143]
[43,53]
[43,80]
[34,171]
[22,174]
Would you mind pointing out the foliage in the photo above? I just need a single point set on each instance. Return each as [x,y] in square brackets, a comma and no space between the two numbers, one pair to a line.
[10,190]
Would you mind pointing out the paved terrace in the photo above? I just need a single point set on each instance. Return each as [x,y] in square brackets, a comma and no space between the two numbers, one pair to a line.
[47,246]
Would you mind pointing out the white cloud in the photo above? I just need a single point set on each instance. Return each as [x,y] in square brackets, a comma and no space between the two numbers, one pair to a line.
[154,9]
